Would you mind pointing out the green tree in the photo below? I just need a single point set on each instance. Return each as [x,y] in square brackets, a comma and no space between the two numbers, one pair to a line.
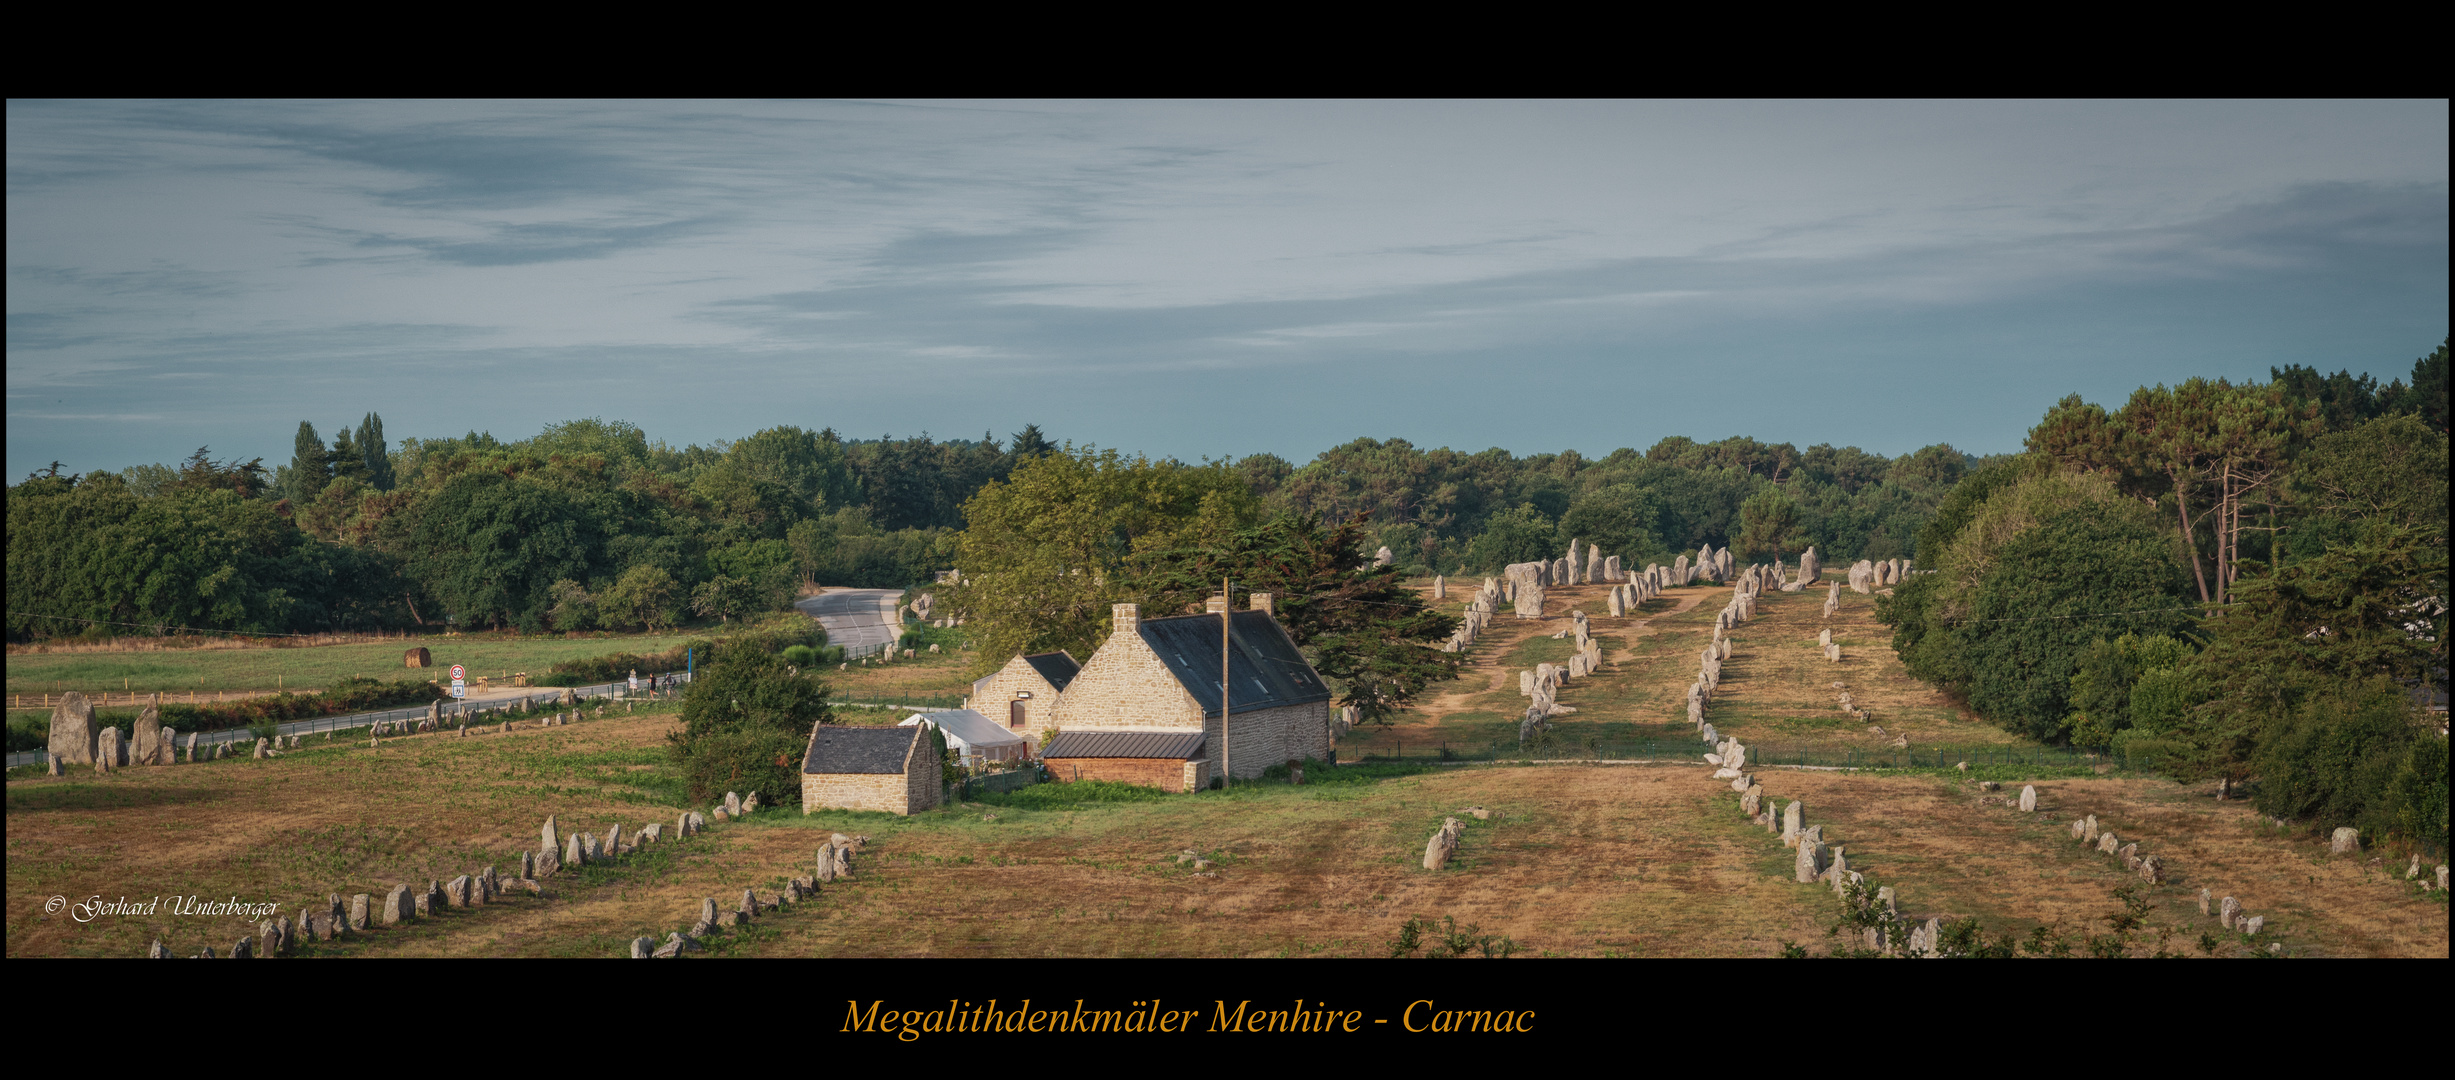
[1618,520]
[378,459]
[1512,536]
[2109,677]
[1043,552]
[645,595]
[1360,624]
[491,547]
[310,467]
[1768,526]
[745,722]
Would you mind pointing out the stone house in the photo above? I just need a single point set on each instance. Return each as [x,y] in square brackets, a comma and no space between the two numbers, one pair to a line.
[1162,675]
[894,769]
[1023,695]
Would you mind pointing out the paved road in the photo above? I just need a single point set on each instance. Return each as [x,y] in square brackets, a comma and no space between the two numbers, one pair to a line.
[861,620]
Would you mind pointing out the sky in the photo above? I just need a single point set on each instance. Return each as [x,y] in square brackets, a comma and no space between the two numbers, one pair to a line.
[1193,279]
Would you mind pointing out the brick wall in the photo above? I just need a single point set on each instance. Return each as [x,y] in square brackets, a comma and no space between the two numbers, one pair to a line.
[1166,774]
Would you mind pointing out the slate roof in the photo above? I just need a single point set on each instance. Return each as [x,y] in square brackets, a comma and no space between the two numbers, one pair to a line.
[1173,745]
[971,727]
[844,749]
[1264,670]
[1057,667]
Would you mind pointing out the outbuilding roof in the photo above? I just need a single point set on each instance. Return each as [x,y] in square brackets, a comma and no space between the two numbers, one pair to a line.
[971,727]
[1173,745]
[1264,669]
[848,749]
[1057,667]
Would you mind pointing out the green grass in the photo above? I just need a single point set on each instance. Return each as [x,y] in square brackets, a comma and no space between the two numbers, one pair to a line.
[311,667]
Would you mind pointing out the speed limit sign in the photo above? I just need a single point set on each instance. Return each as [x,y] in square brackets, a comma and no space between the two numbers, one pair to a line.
[459,673]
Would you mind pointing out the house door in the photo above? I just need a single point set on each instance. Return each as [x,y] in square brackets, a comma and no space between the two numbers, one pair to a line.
[1014,714]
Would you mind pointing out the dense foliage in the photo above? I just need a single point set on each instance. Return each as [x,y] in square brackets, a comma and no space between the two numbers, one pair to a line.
[746,720]
[2247,581]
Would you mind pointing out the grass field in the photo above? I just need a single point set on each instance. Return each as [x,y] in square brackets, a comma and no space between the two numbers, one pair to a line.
[1595,859]
[310,667]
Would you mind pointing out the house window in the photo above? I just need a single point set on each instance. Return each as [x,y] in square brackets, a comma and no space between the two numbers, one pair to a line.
[1014,714]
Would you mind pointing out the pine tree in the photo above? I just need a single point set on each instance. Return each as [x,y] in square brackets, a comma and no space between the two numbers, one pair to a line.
[371,447]
[345,458]
[310,467]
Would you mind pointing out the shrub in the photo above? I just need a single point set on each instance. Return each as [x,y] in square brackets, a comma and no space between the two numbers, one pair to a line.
[747,759]
[745,721]
[2343,758]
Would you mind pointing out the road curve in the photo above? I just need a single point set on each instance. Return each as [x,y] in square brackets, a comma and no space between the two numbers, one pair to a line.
[861,620]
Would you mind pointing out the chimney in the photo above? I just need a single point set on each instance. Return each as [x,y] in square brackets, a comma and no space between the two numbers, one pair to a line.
[1215,605]
[1262,603]
[1128,617]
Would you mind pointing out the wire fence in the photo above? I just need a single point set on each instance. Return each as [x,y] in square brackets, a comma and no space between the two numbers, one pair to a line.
[453,713]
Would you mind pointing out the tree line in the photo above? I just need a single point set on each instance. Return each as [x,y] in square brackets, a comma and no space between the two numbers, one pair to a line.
[2239,581]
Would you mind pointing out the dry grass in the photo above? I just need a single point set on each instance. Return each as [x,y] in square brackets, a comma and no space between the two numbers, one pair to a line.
[1950,855]
[1593,860]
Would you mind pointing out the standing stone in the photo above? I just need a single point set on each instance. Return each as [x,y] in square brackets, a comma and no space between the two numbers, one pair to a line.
[360,907]
[148,738]
[263,747]
[707,911]
[642,947]
[2344,842]
[574,853]
[108,754]
[733,805]
[1383,557]
[2227,911]
[2028,799]
[1794,820]
[1593,573]
[2106,843]
[528,864]
[2252,924]
[2088,829]
[2205,898]
[1440,587]
[191,748]
[73,738]
[1810,863]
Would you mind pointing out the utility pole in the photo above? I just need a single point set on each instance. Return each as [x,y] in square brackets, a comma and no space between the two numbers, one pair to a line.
[1227,775]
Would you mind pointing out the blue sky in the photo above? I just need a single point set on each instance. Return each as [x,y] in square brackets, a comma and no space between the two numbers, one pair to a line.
[1193,278]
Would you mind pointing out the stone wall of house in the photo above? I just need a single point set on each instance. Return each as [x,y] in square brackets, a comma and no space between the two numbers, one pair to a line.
[1268,737]
[924,781]
[1197,774]
[890,792]
[997,693]
[1126,687]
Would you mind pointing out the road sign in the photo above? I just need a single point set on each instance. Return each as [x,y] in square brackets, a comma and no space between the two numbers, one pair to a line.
[459,673]
[459,688]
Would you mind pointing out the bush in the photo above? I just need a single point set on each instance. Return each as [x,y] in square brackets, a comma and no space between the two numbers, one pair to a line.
[1068,796]
[764,760]
[745,721]
[2354,756]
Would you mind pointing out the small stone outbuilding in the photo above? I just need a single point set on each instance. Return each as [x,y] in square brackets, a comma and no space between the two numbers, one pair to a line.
[894,769]
[1023,695]
[1172,761]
